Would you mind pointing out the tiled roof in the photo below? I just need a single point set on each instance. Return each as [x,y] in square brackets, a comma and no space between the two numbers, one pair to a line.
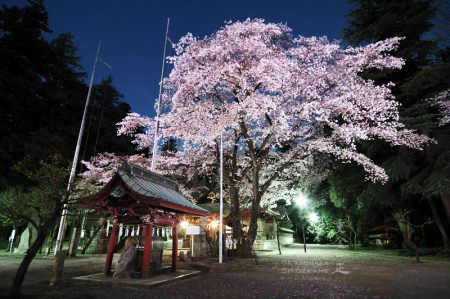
[215,208]
[152,185]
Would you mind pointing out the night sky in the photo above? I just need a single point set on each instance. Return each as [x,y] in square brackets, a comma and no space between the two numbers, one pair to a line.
[132,32]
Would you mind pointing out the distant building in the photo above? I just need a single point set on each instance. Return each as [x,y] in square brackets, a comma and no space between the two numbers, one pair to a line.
[266,238]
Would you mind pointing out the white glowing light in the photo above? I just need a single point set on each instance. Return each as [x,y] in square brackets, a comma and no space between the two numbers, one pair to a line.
[302,201]
[184,224]
[313,217]
[214,224]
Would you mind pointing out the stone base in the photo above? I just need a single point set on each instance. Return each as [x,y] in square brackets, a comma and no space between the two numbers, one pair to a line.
[151,273]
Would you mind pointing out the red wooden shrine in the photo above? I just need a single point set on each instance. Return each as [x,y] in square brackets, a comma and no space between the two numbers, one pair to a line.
[135,196]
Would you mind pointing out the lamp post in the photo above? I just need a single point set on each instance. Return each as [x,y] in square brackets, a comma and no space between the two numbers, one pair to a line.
[304,235]
[302,203]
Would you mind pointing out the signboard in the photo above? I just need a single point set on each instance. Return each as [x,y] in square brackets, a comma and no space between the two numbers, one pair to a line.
[193,230]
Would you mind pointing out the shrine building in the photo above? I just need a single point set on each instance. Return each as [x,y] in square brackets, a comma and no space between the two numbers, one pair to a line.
[137,197]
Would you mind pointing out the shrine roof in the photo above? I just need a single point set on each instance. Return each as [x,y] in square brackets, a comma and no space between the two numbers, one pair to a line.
[285,230]
[214,208]
[147,188]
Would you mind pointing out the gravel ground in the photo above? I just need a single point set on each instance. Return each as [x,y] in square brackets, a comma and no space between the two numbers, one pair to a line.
[323,272]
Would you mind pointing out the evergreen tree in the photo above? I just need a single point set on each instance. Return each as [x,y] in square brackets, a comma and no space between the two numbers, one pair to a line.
[23,68]
[105,111]
[415,176]
[42,92]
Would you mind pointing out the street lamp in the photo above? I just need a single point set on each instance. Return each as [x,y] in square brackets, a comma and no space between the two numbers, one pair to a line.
[302,202]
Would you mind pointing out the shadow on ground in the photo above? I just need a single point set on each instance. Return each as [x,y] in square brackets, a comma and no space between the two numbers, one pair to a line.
[322,272]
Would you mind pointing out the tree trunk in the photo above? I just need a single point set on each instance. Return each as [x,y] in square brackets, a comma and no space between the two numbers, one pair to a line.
[235,213]
[278,238]
[445,198]
[253,229]
[76,235]
[414,248]
[31,253]
[350,239]
[213,243]
[402,227]
[92,238]
[246,247]
[412,245]
[247,250]
[236,216]
[102,244]
[438,222]
[75,238]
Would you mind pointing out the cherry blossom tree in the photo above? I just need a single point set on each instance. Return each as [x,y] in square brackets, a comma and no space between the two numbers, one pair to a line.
[276,99]
[280,94]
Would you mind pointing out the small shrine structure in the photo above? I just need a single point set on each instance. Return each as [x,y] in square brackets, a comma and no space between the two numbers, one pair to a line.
[135,196]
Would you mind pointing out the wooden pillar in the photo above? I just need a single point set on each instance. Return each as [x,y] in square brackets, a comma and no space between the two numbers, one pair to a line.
[174,247]
[111,245]
[146,258]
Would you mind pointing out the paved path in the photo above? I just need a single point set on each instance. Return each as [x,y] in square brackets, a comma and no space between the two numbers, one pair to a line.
[323,272]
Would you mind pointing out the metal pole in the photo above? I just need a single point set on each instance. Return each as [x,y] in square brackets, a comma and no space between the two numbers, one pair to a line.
[75,158]
[221,199]
[192,244]
[304,236]
[158,109]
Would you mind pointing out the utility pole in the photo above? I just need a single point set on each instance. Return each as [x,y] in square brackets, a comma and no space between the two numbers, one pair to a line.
[158,108]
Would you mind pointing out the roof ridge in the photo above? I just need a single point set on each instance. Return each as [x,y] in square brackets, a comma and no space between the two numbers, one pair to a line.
[152,176]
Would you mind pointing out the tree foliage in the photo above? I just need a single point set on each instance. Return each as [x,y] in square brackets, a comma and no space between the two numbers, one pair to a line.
[42,91]
[36,203]
[39,204]
[413,175]
[277,100]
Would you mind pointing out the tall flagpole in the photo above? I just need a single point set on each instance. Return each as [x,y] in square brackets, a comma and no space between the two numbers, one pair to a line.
[221,199]
[158,108]
[59,258]
[75,156]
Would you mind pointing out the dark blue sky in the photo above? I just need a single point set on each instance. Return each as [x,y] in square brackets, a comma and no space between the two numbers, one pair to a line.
[132,32]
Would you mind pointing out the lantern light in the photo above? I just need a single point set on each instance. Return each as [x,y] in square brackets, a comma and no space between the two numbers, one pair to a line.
[214,224]
[184,224]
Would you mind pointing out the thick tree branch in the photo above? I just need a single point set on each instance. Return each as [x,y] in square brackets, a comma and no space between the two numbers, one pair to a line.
[278,171]
[249,142]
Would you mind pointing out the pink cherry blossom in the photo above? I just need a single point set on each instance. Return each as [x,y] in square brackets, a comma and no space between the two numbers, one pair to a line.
[277,99]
